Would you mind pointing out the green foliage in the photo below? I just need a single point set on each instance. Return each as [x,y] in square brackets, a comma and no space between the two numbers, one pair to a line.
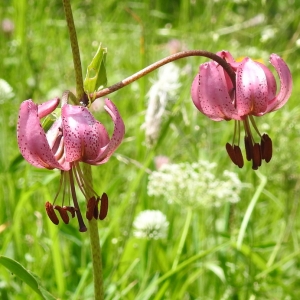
[18,270]
[96,77]
[214,263]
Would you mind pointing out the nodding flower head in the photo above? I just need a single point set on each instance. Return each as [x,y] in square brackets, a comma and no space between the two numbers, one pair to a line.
[252,94]
[73,138]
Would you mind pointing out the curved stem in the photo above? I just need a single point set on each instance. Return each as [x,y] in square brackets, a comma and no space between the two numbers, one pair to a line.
[162,62]
[75,49]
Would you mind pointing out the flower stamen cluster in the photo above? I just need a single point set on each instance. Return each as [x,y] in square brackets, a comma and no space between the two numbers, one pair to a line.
[252,94]
[74,138]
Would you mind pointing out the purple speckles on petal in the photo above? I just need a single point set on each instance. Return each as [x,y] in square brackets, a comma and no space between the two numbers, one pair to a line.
[32,140]
[107,149]
[255,94]
[286,83]
[210,93]
[252,89]
[85,138]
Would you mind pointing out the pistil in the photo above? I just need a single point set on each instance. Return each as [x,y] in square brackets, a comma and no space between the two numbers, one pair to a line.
[82,227]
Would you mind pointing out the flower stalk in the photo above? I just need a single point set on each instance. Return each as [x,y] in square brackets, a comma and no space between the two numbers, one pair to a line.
[162,62]
[93,225]
[95,246]
[75,49]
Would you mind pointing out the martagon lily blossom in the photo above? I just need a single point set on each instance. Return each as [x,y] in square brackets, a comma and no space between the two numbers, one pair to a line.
[73,138]
[252,94]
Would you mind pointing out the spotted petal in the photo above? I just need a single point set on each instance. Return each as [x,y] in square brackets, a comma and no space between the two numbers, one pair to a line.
[119,130]
[32,139]
[83,135]
[210,93]
[271,82]
[286,83]
[251,88]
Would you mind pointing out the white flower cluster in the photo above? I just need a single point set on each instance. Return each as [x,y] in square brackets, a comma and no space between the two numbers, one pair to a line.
[151,224]
[164,89]
[194,184]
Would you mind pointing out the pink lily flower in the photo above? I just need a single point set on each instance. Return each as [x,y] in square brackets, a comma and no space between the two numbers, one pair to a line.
[252,94]
[74,137]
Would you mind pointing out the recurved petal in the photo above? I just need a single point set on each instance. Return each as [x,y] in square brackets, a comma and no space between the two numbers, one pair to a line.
[83,134]
[119,130]
[47,107]
[286,83]
[210,94]
[32,140]
[229,58]
[251,88]
[271,82]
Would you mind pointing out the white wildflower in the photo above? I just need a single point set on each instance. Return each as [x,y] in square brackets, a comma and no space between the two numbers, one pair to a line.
[6,91]
[163,90]
[151,224]
[194,184]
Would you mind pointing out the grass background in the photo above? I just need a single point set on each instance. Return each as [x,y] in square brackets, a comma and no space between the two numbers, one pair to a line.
[36,61]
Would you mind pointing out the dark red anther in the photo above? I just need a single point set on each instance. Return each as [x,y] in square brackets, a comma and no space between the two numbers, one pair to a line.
[63,213]
[103,206]
[231,153]
[51,213]
[90,208]
[96,209]
[248,147]
[70,209]
[266,147]
[256,160]
[238,156]
[235,154]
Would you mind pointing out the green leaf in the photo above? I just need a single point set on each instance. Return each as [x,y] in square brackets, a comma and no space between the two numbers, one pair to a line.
[50,119]
[255,258]
[17,269]
[96,78]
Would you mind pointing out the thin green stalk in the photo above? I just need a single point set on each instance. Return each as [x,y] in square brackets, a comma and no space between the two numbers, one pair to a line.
[162,62]
[183,237]
[179,250]
[250,209]
[96,259]
[147,264]
[75,49]
[95,245]
[93,225]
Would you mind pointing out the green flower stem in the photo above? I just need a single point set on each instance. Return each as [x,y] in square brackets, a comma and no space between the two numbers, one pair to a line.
[95,245]
[179,249]
[183,237]
[162,62]
[93,225]
[259,189]
[96,259]
[75,49]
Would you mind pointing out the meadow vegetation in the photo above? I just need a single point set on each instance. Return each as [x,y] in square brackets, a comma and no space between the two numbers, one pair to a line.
[246,249]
